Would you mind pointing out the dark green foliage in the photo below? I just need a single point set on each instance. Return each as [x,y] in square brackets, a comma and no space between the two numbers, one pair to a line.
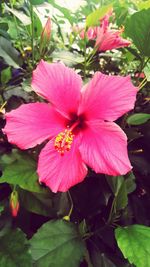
[103,221]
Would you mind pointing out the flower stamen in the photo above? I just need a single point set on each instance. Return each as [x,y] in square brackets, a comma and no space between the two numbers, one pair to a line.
[63,141]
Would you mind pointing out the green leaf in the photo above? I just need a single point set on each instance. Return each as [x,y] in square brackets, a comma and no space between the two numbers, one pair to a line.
[121,13]
[137,119]
[22,172]
[9,53]
[67,57]
[5,75]
[4,26]
[41,204]
[121,198]
[93,18]
[118,187]
[115,183]
[1,208]
[147,71]
[130,182]
[137,28]
[37,2]
[14,250]
[66,12]
[37,26]
[57,243]
[143,4]
[133,241]
[19,15]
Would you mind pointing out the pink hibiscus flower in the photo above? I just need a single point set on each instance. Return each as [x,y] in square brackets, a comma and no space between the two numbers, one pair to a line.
[77,122]
[106,38]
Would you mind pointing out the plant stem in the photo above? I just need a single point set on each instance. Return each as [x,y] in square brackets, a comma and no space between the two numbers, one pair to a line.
[32,32]
[84,75]
[111,211]
[91,55]
[16,25]
[71,209]
[142,66]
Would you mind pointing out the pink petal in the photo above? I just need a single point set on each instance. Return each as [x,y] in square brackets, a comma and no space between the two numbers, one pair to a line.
[82,34]
[58,172]
[111,40]
[105,20]
[104,148]
[31,124]
[107,97]
[91,33]
[58,84]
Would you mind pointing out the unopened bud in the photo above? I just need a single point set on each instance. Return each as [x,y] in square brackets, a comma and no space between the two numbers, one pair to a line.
[14,203]
[45,35]
[66,218]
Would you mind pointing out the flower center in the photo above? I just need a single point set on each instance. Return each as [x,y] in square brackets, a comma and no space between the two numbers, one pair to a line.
[63,141]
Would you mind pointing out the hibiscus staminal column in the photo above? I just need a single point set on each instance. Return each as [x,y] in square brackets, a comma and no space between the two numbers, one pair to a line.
[64,139]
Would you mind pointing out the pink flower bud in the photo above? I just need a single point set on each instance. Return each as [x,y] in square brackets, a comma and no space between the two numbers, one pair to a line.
[14,203]
[45,37]
[46,33]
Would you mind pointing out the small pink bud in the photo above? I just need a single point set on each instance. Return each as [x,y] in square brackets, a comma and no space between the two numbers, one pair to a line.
[46,33]
[45,37]
[14,203]
[140,75]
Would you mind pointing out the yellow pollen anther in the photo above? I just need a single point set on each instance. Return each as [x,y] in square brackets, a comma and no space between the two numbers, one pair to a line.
[63,141]
[121,29]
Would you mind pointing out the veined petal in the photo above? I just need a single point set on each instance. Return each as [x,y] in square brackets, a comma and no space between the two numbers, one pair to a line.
[58,172]
[104,148]
[111,40]
[58,84]
[31,124]
[107,97]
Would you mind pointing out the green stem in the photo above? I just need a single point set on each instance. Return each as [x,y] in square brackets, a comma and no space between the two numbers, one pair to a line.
[111,211]
[16,25]
[32,32]
[85,58]
[91,55]
[142,66]
[146,62]
[71,209]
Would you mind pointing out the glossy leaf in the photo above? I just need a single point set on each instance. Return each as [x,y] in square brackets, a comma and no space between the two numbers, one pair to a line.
[133,241]
[9,53]
[121,198]
[115,183]
[22,172]
[119,189]
[147,71]
[143,4]
[41,204]
[67,57]
[137,29]
[37,2]
[57,243]
[94,18]
[63,10]
[137,119]
[14,250]
[130,182]
[19,15]
[5,75]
